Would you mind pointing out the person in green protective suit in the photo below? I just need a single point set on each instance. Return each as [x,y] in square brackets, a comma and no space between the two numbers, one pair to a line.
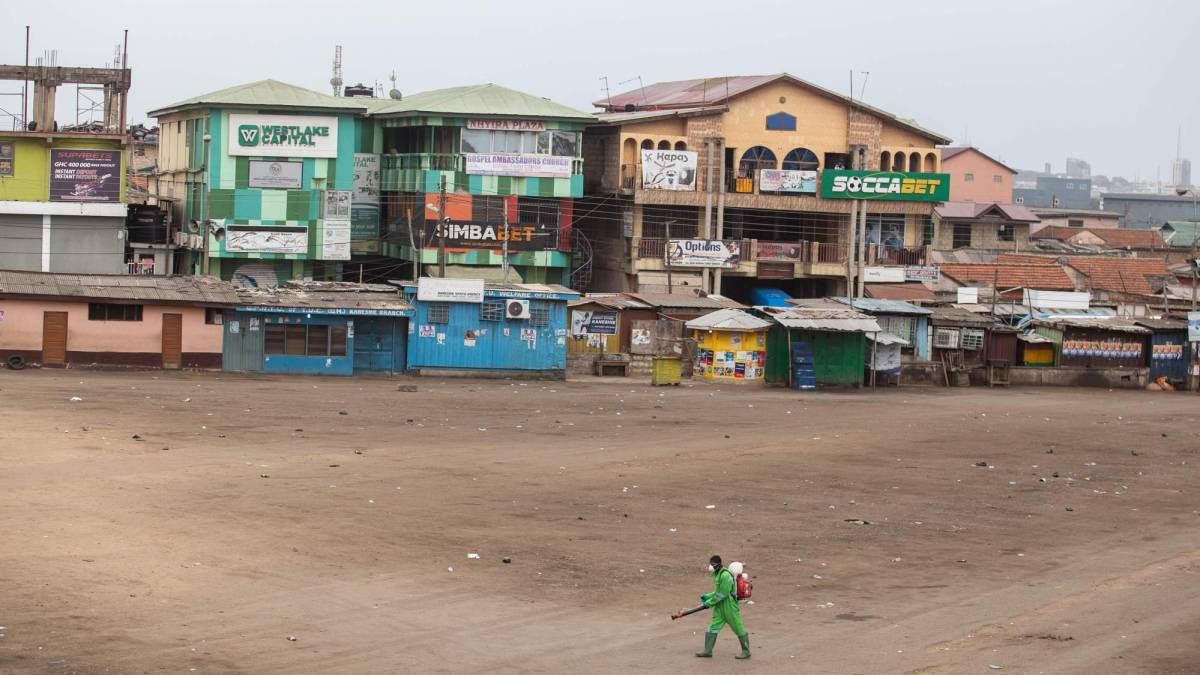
[723,601]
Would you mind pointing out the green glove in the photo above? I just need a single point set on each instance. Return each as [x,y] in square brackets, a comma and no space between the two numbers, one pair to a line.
[705,599]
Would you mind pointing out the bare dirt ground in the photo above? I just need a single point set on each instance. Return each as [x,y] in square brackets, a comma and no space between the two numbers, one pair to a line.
[248,511]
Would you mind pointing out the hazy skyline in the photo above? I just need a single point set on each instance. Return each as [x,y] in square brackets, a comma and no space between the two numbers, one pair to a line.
[1108,82]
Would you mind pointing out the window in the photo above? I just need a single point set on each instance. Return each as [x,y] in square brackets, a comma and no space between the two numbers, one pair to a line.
[1019,200]
[476,140]
[98,311]
[1074,222]
[969,178]
[491,310]
[487,209]
[972,338]
[301,340]
[539,316]
[997,178]
[566,144]
[755,159]
[962,235]
[542,142]
[837,160]
[781,121]
[213,316]
[800,159]
[1005,233]
[439,312]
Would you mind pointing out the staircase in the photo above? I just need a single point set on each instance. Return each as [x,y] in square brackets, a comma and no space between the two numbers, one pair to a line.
[581,261]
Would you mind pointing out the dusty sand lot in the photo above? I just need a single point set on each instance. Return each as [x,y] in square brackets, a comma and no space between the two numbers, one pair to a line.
[173,553]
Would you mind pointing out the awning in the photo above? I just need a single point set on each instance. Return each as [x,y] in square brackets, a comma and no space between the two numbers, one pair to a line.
[887,339]
[1034,339]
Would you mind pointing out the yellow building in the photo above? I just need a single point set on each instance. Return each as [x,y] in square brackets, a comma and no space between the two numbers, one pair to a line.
[730,345]
[762,148]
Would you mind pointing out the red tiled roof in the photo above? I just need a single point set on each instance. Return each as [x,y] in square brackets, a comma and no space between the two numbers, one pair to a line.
[1116,238]
[1119,275]
[913,291]
[1035,276]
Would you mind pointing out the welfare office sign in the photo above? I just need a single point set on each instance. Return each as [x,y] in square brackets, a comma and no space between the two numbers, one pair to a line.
[282,135]
[885,186]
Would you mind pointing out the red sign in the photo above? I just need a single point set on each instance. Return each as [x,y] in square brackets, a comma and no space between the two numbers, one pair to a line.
[507,125]
[776,250]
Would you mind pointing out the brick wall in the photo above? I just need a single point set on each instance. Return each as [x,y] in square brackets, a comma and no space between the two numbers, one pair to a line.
[865,129]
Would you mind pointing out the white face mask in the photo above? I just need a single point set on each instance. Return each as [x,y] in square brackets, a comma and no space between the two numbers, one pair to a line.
[711,569]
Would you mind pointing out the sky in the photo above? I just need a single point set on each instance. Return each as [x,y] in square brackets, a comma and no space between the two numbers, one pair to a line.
[1028,82]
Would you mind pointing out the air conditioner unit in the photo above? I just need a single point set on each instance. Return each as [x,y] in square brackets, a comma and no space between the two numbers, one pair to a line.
[516,309]
[179,238]
[195,241]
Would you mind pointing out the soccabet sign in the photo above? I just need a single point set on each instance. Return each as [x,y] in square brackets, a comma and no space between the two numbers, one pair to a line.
[885,186]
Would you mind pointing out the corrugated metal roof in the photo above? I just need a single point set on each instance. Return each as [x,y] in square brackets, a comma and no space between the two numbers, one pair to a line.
[1034,338]
[837,318]
[913,290]
[962,317]
[330,295]
[266,94]
[1113,324]
[175,289]
[479,99]
[881,306]
[728,319]
[887,339]
[612,301]
[685,301]
[954,151]
[1162,324]
[1179,233]
[647,115]
[975,210]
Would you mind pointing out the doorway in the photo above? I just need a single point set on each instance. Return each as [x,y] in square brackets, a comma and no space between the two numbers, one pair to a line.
[172,340]
[54,338]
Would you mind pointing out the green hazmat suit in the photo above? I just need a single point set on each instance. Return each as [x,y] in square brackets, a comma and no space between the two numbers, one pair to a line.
[723,601]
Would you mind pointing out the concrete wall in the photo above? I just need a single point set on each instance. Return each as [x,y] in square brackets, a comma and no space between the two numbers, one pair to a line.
[1112,378]
[1143,212]
[77,244]
[975,178]
[1089,221]
[984,236]
[1071,193]
[115,342]
[30,181]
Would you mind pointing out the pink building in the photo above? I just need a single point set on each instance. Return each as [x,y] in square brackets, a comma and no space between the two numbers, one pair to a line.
[112,320]
[976,177]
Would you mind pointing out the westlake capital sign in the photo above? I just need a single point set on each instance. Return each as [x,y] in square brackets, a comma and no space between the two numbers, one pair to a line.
[282,135]
[885,186]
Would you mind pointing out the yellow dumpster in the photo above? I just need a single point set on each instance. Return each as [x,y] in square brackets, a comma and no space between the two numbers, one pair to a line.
[665,370]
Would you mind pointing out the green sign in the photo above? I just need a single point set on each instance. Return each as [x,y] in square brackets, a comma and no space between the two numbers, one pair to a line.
[885,186]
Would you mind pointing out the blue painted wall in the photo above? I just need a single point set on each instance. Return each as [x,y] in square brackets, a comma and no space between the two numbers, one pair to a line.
[309,365]
[492,350]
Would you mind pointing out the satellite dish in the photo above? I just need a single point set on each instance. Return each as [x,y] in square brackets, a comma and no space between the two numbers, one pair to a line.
[394,94]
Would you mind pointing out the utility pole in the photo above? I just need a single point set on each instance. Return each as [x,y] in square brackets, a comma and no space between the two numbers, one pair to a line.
[667,255]
[708,204]
[862,247]
[995,289]
[204,226]
[850,250]
[442,222]
[412,245]
[504,248]
[720,201]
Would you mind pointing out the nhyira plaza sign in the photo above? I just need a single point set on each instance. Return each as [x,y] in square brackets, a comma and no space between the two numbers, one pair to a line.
[885,186]
[282,135]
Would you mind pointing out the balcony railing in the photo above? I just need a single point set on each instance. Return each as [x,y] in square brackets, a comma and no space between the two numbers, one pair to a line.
[631,176]
[144,266]
[878,254]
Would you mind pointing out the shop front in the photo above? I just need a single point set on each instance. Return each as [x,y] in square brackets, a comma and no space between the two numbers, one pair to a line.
[730,345]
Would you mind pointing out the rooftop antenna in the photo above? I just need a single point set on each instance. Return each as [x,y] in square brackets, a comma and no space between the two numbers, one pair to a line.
[394,93]
[862,95]
[607,91]
[641,86]
[336,80]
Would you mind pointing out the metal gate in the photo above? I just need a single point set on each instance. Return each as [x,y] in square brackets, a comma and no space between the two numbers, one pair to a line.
[377,345]
[242,347]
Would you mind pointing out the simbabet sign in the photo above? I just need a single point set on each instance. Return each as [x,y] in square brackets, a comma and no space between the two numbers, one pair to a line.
[885,186]
[282,135]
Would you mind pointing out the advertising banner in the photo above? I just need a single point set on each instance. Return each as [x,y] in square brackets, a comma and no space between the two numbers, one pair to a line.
[922,273]
[337,204]
[787,180]
[467,234]
[282,135]
[364,203]
[275,175]
[782,251]
[335,240]
[593,323]
[433,289]
[669,170]
[8,154]
[266,239]
[885,186]
[703,253]
[887,275]
[529,166]
[85,175]
[1194,326]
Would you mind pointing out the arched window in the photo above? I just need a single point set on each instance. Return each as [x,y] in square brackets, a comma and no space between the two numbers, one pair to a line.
[629,152]
[801,159]
[898,162]
[754,160]
[914,162]
[885,161]
[664,145]
[647,144]
[930,163]
[680,146]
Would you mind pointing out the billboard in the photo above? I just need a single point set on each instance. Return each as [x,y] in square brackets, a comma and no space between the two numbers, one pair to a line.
[266,239]
[275,175]
[282,135]
[787,180]
[703,253]
[364,203]
[885,186]
[781,250]
[584,324]
[669,170]
[78,175]
[8,157]
[469,234]
[529,166]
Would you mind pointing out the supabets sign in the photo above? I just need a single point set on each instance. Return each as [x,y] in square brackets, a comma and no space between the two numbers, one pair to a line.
[885,186]
[282,135]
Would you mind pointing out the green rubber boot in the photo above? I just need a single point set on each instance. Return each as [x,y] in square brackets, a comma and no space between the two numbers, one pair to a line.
[745,640]
[710,639]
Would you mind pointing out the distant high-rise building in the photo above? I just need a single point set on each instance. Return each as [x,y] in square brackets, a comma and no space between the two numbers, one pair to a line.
[1048,172]
[1181,172]
[1077,168]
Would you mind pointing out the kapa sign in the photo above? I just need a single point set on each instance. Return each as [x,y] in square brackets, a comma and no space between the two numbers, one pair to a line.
[885,186]
[282,135]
